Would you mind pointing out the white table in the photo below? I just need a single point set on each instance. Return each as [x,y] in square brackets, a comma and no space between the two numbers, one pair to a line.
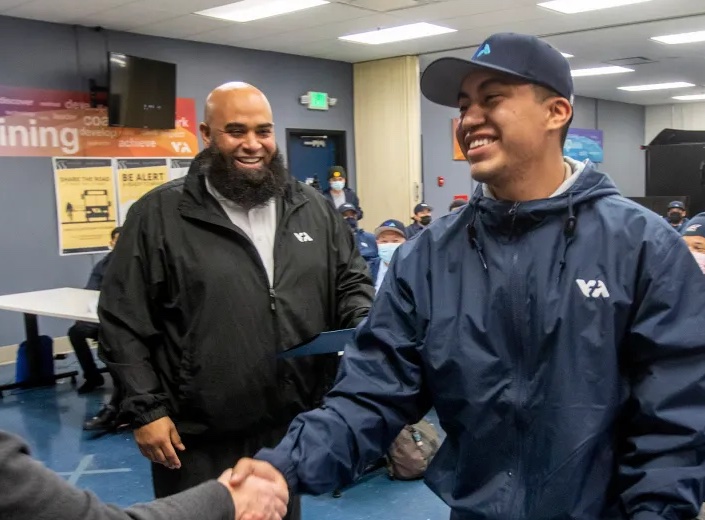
[65,302]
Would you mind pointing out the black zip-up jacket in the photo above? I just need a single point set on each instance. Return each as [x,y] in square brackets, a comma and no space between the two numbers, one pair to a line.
[191,326]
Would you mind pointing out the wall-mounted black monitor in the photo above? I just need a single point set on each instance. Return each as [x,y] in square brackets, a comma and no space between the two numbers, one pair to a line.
[142,92]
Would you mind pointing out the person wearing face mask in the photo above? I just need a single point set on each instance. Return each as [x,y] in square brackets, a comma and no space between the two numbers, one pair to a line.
[390,235]
[422,218]
[365,241]
[676,216]
[338,194]
[694,236]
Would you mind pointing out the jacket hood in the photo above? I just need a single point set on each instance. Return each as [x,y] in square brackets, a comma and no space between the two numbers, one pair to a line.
[513,219]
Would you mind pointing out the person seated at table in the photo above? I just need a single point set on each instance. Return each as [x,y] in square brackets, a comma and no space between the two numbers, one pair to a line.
[81,331]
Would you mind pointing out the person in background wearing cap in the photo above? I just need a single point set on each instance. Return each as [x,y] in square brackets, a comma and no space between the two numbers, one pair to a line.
[676,216]
[694,236]
[422,218]
[339,193]
[365,241]
[552,324]
[390,235]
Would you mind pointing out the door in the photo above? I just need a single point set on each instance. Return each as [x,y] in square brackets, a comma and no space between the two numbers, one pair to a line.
[678,170]
[312,152]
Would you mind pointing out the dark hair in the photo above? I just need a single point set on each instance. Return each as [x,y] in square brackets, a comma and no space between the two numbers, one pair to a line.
[457,203]
[115,231]
[543,93]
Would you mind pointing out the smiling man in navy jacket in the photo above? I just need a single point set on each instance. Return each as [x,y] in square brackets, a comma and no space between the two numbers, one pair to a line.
[555,326]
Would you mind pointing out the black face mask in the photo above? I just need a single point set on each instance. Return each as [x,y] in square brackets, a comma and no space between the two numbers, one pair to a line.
[352,222]
[674,217]
[425,220]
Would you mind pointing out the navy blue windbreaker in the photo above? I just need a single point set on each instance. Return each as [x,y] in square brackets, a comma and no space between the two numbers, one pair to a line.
[562,344]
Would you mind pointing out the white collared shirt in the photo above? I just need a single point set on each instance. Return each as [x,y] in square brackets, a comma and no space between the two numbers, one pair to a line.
[259,224]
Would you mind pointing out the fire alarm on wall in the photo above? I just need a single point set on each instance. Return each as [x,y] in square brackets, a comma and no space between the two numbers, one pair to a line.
[441,181]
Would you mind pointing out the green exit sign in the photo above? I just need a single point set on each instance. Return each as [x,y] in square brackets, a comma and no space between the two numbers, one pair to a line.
[318,101]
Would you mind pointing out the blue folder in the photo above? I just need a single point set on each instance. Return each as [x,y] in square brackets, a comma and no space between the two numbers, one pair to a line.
[325,343]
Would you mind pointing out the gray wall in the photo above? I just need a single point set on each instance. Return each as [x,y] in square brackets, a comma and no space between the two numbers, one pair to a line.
[623,126]
[42,55]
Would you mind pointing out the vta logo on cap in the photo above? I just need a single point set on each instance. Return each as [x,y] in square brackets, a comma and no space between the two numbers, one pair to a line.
[484,51]
[694,227]
[390,224]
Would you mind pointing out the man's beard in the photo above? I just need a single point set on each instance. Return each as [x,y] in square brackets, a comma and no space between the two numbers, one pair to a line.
[246,187]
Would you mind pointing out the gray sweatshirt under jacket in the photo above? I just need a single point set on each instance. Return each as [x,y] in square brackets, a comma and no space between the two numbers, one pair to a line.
[30,491]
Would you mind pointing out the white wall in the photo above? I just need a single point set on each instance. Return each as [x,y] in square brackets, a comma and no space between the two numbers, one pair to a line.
[683,116]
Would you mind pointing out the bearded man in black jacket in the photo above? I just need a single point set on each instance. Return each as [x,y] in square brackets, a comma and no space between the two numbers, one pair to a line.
[214,275]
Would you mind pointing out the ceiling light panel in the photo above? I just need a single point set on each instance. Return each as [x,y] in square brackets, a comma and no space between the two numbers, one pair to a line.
[248,10]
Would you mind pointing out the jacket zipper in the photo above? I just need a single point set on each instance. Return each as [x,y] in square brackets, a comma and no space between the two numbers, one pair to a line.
[277,242]
[517,290]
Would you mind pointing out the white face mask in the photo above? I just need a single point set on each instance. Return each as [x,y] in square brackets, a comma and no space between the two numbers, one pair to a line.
[386,251]
[337,185]
[700,259]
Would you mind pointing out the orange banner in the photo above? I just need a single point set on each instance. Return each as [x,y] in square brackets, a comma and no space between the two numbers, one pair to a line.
[49,123]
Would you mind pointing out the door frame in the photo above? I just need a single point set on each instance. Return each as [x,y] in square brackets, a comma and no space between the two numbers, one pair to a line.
[341,151]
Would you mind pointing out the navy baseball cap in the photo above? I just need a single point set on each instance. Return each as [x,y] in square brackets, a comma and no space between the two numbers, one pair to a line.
[696,227]
[519,55]
[391,225]
[421,206]
[347,207]
[676,204]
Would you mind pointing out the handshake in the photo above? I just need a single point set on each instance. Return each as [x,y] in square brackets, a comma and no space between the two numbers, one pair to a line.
[258,490]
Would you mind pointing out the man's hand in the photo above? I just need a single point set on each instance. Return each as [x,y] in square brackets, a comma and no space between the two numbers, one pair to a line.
[157,441]
[246,467]
[256,498]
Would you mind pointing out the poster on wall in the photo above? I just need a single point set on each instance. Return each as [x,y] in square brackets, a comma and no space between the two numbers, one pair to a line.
[583,143]
[85,204]
[457,152]
[47,123]
[135,177]
[178,168]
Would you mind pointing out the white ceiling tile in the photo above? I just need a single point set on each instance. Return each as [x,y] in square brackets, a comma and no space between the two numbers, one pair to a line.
[453,9]
[61,11]
[383,6]
[331,31]
[183,26]
[7,4]
[232,34]
[127,17]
